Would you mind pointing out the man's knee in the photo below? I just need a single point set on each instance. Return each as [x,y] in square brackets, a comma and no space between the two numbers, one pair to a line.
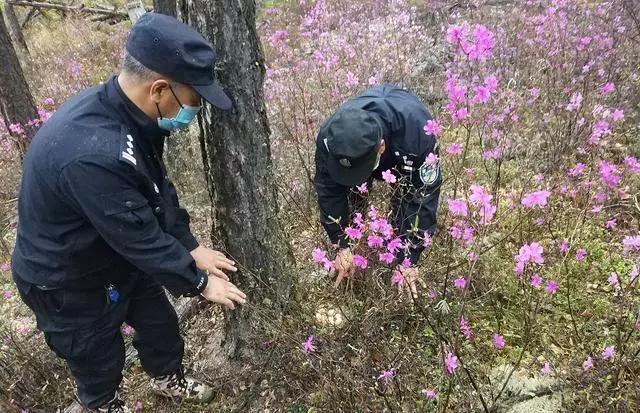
[88,346]
[95,357]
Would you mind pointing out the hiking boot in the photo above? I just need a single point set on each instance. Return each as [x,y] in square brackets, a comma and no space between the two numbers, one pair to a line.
[114,406]
[177,386]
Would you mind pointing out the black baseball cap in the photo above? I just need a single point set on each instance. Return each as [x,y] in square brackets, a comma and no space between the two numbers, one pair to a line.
[175,50]
[352,137]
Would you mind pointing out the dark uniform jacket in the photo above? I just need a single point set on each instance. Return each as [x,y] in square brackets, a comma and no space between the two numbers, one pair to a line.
[96,203]
[407,146]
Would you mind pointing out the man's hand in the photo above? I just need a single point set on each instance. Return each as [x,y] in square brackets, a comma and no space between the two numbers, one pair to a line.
[223,292]
[344,265]
[213,262]
[408,286]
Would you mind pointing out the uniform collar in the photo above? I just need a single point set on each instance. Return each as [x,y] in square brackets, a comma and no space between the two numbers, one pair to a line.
[145,127]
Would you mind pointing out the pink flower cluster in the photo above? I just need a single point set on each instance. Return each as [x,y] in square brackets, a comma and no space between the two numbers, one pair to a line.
[528,253]
[480,198]
[609,174]
[476,42]
[538,198]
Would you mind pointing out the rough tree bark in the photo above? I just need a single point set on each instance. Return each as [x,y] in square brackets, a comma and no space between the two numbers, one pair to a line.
[167,7]
[16,29]
[16,101]
[238,167]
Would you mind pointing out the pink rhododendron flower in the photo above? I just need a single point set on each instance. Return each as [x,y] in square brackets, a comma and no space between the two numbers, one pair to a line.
[530,253]
[359,261]
[546,369]
[318,255]
[394,245]
[631,243]
[633,164]
[353,233]
[431,159]
[375,241]
[387,375]
[451,363]
[455,149]
[479,196]
[432,128]
[608,88]
[617,115]
[386,257]
[551,287]
[430,394]
[482,94]
[389,176]
[457,207]
[538,198]
[536,280]
[564,246]
[308,346]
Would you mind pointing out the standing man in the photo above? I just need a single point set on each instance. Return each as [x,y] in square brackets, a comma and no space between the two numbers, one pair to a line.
[101,230]
[380,130]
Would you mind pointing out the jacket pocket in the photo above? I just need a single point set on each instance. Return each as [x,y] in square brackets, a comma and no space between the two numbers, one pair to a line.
[126,204]
[128,200]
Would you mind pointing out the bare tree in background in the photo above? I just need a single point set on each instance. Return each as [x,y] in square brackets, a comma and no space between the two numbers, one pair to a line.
[167,7]
[16,29]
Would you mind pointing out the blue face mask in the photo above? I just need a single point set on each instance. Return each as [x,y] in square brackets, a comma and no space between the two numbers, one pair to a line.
[183,118]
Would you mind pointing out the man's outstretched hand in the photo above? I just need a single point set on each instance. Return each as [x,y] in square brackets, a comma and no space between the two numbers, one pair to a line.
[223,292]
[213,262]
[344,265]
[409,275]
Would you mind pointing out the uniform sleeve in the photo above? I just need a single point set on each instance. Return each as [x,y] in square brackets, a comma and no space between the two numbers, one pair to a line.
[181,230]
[333,201]
[104,191]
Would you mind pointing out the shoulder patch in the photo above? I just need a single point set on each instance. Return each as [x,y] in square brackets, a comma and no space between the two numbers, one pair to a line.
[429,173]
[126,150]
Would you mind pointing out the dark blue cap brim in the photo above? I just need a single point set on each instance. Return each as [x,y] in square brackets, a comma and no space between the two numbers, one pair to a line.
[213,94]
[354,175]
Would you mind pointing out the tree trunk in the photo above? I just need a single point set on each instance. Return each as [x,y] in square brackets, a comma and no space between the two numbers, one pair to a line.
[167,7]
[16,29]
[238,167]
[16,102]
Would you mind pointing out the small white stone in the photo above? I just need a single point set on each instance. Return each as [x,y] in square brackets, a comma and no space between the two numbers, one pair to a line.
[329,315]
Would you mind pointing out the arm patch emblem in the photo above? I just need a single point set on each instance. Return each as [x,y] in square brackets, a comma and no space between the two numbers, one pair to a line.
[429,173]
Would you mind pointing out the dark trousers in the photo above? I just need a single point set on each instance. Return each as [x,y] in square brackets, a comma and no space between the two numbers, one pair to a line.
[95,351]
